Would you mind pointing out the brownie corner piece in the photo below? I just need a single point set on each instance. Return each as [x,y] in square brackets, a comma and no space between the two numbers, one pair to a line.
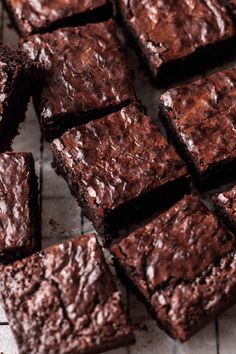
[19,219]
[130,172]
[38,16]
[18,76]
[182,265]
[88,75]
[199,117]
[67,295]
[225,207]
[178,38]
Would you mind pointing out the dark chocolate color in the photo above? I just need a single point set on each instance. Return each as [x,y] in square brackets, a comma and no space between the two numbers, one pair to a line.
[42,15]
[114,160]
[87,78]
[18,77]
[179,264]
[200,116]
[225,204]
[19,214]
[171,30]
[64,300]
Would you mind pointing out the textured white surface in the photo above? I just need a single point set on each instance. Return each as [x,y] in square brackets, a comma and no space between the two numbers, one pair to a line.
[61,218]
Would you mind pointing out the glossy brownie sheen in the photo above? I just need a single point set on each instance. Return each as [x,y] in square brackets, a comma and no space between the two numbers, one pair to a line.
[173,29]
[17,77]
[225,204]
[175,263]
[87,76]
[201,118]
[19,219]
[37,15]
[110,161]
[66,296]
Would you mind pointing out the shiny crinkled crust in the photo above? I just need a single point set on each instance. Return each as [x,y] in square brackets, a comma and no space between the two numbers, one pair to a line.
[173,29]
[37,15]
[201,116]
[64,299]
[117,158]
[19,215]
[171,262]
[87,73]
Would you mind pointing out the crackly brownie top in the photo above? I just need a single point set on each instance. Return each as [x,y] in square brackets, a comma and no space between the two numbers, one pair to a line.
[87,69]
[12,63]
[177,245]
[118,157]
[203,115]
[16,226]
[34,15]
[169,258]
[67,298]
[173,29]
[227,201]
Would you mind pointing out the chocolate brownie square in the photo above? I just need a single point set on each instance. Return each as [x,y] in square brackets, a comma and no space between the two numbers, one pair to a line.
[44,15]
[64,300]
[182,265]
[19,213]
[88,76]
[118,166]
[177,38]
[200,117]
[18,75]
[225,204]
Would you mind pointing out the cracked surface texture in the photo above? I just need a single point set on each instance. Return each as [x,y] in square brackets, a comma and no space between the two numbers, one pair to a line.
[19,230]
[88,73]
[63,300]
[202,117]
[176,261]
[117,158]
[35,15]
[173,29]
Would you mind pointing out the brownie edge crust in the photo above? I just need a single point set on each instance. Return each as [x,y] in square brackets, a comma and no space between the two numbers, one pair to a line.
[64,300]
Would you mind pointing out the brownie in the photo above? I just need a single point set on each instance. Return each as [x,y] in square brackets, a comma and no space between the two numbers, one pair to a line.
[177,38]
[118,166]
[182,265]
[200,117]
[66,296]
[88,76]
[225,205]
[19,213]
[41,16]
[18,76]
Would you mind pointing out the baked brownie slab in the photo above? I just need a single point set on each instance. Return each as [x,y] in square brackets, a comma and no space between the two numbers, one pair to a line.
[200,116]
[66,296]
[17,78]
[88,76]
[40,15]
[118,164]
[225,204]
[166,32]
[182,265]
[19,214]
